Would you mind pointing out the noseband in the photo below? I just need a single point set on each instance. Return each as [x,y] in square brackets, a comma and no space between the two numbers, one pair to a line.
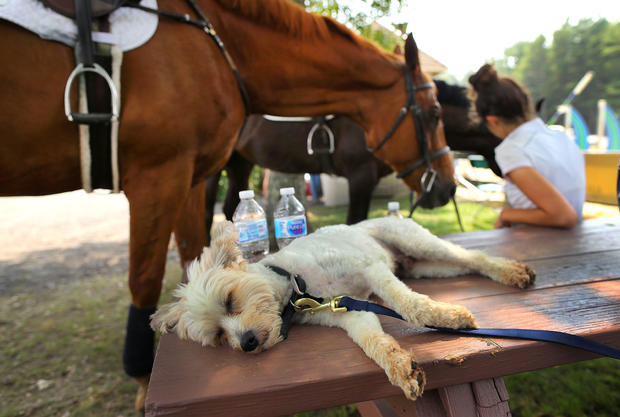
[411,105]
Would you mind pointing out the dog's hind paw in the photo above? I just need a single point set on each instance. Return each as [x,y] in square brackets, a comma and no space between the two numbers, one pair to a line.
[519,274]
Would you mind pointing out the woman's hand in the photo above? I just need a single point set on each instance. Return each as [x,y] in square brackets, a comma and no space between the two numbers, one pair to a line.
[500,222]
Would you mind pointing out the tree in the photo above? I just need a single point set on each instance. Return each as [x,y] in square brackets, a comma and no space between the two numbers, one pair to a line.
[551,71]
[362,22]
[610,55]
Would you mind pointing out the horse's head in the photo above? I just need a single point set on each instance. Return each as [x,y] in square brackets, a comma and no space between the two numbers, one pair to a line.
[415,145]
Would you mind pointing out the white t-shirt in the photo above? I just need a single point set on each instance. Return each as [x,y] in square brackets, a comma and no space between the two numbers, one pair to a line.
[552,153]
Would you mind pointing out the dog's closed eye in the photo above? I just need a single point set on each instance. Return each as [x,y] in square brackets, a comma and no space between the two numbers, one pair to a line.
[229,303]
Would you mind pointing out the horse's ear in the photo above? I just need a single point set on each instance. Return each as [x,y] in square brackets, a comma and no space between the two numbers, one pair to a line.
[397,50]
[412,56]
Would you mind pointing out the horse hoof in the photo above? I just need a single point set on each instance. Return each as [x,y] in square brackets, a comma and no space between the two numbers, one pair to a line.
[143,384]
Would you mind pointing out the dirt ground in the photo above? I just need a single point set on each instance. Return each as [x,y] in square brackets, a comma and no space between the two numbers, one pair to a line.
[56,239]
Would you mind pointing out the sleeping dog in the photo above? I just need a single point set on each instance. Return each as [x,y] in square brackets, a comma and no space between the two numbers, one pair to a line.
[227,300]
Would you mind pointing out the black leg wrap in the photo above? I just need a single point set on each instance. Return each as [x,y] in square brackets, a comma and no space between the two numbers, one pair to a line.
[138,354]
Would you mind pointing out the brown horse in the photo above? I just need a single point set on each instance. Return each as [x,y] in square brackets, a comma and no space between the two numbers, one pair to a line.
[182,110]
[282,146]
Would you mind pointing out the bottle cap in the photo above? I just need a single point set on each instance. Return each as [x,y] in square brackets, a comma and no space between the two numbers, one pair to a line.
[393,205]
[287,191]
[246,194]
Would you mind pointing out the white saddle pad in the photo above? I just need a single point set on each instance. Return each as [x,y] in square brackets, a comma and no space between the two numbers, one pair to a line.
[129,27]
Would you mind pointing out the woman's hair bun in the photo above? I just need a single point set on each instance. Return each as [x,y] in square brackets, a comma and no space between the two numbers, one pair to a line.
[484,77]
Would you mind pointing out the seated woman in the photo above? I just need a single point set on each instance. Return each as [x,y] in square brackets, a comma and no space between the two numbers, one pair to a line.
[544,169]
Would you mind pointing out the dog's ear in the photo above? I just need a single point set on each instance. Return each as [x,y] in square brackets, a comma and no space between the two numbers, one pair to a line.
[167,317]
[224,252]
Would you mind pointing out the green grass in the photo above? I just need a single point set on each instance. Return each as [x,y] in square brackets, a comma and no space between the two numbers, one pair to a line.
[440,221]
[69,338]
[72,338]
[584,389]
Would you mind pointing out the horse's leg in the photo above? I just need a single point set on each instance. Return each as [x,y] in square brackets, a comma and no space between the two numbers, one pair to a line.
[190,230]
[211,189]
[238,170]
[153,207]
[362,182]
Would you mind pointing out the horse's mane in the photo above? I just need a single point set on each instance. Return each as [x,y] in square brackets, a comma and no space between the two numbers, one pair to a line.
[292,19]
[453,95]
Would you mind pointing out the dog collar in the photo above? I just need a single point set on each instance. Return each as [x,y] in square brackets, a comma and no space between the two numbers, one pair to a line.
[299,291]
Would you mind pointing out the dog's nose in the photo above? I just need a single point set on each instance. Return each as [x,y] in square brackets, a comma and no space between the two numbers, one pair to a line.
[248,341]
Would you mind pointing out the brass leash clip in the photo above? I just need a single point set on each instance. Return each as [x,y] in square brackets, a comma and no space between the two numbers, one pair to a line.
[308,305]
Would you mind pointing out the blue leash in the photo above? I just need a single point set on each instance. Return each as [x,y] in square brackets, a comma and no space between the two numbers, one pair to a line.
[527,334]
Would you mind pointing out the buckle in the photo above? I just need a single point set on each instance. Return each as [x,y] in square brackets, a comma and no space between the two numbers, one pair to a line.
[427,185]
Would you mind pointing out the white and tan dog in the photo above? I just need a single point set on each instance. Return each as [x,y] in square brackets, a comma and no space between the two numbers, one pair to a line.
[227,300]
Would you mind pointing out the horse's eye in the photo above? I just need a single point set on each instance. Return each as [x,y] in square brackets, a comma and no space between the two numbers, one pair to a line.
[434,115]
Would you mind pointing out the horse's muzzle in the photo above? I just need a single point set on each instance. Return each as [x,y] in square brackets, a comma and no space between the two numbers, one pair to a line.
[439,195]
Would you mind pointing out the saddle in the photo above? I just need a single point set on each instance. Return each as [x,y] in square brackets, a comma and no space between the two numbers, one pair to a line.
[98,8]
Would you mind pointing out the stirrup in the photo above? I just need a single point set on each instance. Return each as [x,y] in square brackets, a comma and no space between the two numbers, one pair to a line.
[91,118]
[330,135]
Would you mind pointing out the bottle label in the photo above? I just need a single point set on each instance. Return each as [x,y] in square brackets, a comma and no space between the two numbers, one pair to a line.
[292,226]
[252,230]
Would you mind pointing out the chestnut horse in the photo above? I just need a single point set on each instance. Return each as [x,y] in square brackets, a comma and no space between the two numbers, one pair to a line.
[181,111]
[282,146]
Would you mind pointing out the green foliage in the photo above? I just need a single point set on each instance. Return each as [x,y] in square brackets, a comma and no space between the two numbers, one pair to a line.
[256,182]
[551,70]
[362,21]
[336,9]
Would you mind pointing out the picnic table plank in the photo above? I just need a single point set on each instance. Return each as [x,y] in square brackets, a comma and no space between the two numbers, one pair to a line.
[527,243]
[318,367]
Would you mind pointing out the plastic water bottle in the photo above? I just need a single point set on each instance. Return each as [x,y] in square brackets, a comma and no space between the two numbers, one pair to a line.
[249,219]
[394,210]
[289,218]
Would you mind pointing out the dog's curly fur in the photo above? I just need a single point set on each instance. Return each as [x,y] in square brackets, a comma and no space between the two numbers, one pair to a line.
[227,300]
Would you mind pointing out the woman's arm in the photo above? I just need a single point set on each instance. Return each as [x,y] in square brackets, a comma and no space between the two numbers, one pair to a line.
[552,208]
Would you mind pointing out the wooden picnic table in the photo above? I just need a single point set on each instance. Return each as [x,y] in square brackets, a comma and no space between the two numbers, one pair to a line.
[577,290]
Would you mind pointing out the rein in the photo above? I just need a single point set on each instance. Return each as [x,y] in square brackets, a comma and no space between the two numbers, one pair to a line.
[204,24]
[302,302]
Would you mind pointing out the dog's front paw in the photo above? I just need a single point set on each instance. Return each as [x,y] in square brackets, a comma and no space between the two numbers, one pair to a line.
[518,274]
[461,318]
[453,316]
[406,374]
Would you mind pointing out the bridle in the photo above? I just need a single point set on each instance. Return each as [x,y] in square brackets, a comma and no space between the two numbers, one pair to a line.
[411,105]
